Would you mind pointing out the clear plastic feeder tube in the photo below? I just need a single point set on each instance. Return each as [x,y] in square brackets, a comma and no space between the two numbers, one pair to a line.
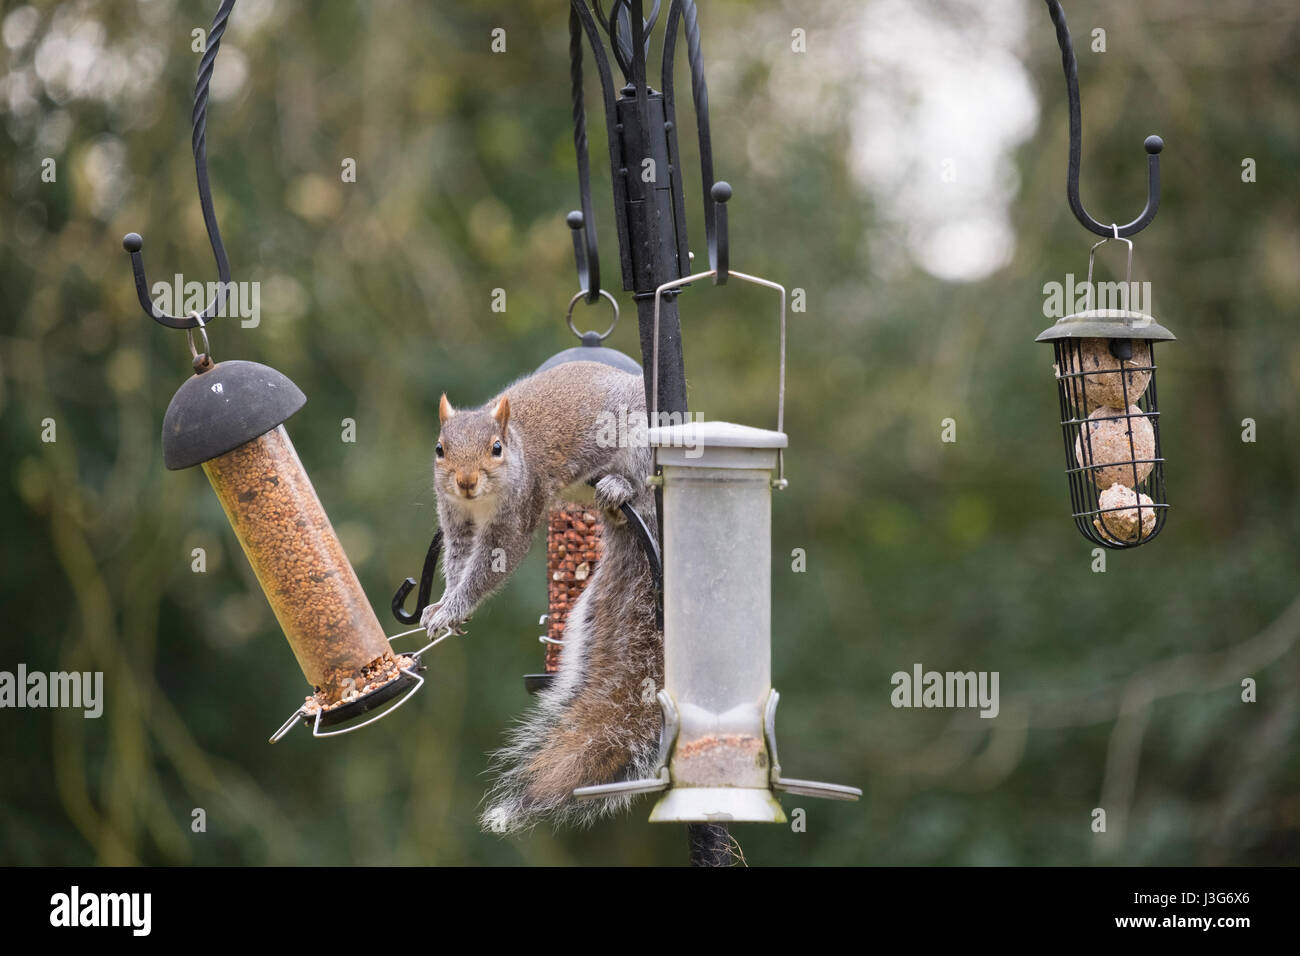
[717,515]
[717,654]
[299,562]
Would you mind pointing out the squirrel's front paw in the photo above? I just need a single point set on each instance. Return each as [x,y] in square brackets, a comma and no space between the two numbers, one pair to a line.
[427,614]
[614,491]
[438,617]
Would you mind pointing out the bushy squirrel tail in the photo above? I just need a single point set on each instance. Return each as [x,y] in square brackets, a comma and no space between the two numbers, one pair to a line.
[599,720]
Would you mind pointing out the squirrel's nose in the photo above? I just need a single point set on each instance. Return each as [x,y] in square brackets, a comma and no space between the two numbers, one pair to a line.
[466,482]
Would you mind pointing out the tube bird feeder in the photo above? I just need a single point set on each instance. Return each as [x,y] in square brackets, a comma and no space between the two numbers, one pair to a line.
[229,418]
[718,759]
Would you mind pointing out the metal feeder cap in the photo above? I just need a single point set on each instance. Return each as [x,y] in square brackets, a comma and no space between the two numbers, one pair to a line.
[227,406]
[594,352]
[716,445]
[1106,324]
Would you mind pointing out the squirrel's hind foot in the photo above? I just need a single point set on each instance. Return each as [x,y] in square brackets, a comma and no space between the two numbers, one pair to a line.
[614,491]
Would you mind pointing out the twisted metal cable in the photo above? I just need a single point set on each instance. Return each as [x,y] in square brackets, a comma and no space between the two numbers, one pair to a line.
[133,243]
[583,224]
[199,141]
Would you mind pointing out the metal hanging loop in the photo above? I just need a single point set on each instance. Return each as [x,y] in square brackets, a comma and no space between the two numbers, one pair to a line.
[202,361]
[673,284]
[1092,255]
[1153,144]
[599,336]
[132,242]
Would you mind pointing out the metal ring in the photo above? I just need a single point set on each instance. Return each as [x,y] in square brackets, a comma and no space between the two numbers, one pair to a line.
[574,301]
[189,337]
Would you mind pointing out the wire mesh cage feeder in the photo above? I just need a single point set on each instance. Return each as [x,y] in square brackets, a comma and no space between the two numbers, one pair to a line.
[1110,419]
[1106,369]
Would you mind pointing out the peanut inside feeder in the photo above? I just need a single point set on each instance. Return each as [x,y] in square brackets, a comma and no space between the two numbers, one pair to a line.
[573,547]
[229,419]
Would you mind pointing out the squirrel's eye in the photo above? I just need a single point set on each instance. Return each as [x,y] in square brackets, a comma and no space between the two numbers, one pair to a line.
[496,448]
[437,449]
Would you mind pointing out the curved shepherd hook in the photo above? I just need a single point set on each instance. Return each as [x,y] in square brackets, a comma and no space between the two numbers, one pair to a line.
[581,221]
[629,34]
[132,242]
[1153,144]
[716,194]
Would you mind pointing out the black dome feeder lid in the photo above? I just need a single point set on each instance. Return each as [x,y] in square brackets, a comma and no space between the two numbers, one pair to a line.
[592,351]
[227,406]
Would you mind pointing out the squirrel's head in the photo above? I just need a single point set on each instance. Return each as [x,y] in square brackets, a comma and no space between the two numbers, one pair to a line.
[472,456]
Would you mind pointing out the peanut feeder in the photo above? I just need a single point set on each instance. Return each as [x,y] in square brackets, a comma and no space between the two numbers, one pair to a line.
[229,418]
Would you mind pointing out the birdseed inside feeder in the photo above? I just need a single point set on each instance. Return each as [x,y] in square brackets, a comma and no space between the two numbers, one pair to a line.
[229,418]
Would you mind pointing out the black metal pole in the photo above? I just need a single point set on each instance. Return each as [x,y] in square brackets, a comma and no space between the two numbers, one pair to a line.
[651,220]
[657,248]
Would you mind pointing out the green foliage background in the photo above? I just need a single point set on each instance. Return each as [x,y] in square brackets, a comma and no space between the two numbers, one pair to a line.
[1119,690]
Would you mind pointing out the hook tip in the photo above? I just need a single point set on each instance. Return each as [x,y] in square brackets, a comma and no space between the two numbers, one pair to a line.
[132,242]
[1153,144]
[721,191]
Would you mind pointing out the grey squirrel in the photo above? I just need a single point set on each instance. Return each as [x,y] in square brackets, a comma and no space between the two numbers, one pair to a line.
[497,471]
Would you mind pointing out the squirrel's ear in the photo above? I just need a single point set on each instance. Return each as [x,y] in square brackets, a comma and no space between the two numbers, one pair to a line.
[445,411]
[502,414]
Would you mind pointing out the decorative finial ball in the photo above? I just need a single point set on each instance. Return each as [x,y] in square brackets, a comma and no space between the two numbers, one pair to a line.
[574,219]
[1153,144]
[1122,525]
[1102,381]
[1109,454]
[132,242]
[721,191]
